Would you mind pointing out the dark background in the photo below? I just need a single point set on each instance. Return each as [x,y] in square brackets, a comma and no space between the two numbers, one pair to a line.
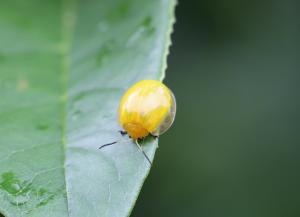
[234,148]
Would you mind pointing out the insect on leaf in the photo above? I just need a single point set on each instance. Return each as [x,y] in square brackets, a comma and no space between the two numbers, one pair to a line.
[64,65]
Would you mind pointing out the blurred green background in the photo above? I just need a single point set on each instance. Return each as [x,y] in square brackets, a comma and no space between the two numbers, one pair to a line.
[234,148]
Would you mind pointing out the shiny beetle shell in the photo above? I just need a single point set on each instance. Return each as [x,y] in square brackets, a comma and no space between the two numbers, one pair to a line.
[148,107]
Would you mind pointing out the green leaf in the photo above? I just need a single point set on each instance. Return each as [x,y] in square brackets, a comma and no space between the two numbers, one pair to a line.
[63,67]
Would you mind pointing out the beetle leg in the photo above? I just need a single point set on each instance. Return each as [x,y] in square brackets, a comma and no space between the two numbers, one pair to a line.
[155,137]
[123,133]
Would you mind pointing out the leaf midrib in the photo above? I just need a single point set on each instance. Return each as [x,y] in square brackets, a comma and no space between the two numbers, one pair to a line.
[68,25]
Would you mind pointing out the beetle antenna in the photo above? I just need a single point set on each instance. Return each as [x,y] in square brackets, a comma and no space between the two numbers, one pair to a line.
[144,153]
[138,145]
[123,133]
[108,144]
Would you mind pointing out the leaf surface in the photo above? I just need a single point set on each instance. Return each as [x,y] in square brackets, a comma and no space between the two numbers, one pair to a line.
[64,66]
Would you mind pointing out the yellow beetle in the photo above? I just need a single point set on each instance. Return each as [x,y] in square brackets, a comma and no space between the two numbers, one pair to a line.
[146,108]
